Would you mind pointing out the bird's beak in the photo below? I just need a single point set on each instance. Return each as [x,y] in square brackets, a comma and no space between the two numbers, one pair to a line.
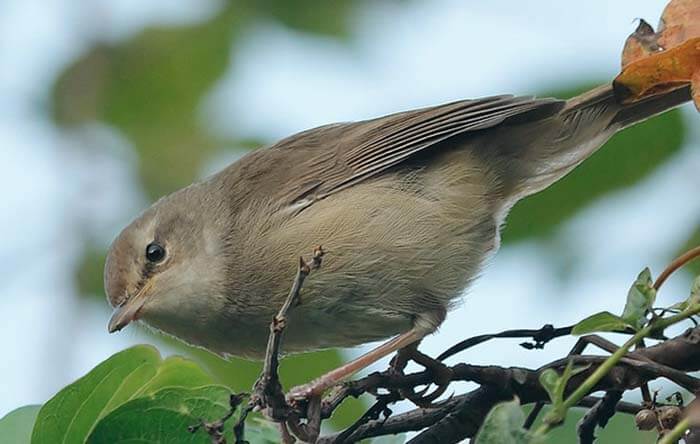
[128,311]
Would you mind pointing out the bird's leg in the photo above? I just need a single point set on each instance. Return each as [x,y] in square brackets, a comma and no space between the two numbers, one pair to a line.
[399,362]
[319,385]
[442,374]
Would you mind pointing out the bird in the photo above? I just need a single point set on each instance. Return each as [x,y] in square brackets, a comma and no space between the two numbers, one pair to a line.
[408,208]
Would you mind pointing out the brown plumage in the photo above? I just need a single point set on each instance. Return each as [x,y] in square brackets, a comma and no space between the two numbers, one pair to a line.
[407,206]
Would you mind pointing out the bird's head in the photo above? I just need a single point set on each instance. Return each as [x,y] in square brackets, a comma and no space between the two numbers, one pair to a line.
[166,266]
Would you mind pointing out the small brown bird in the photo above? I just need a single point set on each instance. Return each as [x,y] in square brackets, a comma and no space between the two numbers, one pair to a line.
[407,206]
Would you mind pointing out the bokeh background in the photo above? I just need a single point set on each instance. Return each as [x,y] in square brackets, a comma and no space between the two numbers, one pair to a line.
[108,104]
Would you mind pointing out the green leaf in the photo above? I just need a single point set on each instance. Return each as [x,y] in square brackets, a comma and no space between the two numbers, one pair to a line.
[163,416]
[504,425]
[640,298]
[316,16]
[555,384]
[71,415]
[16,426]
[603,321]
[258,430]
[550,381]
[680,306]
[694,298]
[176,371]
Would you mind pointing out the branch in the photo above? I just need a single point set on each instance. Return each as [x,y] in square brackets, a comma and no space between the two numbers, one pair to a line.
[540,337]
[598,415]
[267,392]
[268,395]
[466,409]
[460,417]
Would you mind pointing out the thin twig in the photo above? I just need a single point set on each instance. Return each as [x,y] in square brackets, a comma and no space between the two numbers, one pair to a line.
[577,349]
[472,403]
[540,337]
[268,390]
[267,393]
[598,415]
[215,429]
[534,413]
[239,426]
[635,369]
[379,407]
[309,431]
[556,416]
[680,353]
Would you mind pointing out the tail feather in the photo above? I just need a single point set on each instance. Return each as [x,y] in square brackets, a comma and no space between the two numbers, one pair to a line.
[640,111]
[627,115]
[584,124]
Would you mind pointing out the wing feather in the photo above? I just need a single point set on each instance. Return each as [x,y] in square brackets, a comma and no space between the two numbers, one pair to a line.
[341,155]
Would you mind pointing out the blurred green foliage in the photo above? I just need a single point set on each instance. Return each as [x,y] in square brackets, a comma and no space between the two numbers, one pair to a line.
[150,86]
[89,271]
[693,241]
[320,17]
[16,427]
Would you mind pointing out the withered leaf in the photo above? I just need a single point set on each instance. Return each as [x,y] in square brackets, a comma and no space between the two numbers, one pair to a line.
[658,62]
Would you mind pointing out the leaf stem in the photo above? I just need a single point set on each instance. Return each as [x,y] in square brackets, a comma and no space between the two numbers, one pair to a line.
[675,265]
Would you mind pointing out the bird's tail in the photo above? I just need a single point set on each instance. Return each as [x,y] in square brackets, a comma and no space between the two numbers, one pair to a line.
[627,115]
[580,128]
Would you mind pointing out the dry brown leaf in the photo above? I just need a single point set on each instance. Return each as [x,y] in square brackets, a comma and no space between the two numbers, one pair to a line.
[640,44]
[660,72]
[655,63]
[680,21]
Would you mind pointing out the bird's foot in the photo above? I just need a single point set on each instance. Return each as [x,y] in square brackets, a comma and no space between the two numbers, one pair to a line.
[441,373]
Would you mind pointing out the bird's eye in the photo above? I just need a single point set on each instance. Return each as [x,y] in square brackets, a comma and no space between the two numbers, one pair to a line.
[155,253]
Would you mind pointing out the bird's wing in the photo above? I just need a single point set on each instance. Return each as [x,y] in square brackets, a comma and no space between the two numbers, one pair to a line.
[341,155]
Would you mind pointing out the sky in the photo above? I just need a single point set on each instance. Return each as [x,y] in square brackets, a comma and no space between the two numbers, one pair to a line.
[401,57]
